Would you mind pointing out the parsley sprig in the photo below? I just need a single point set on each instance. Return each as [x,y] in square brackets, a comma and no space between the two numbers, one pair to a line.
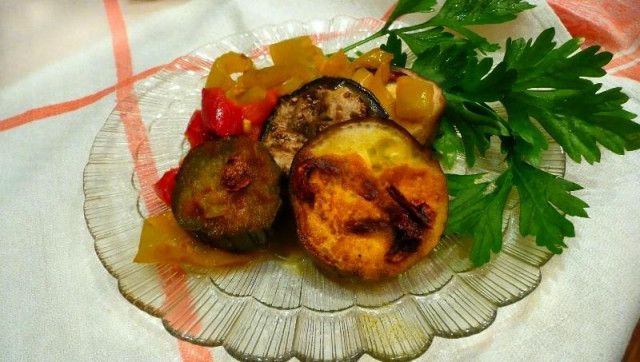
[543,86]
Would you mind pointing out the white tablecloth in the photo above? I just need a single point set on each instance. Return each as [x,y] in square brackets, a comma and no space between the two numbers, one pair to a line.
[58,303]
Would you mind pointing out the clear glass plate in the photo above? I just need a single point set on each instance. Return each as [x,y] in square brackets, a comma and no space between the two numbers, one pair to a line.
[281,307]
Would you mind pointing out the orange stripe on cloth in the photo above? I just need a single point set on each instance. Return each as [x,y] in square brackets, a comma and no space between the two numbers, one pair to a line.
[140,149]
[632,72]
[72,105]
[613,24]
[387,13]
[631,53]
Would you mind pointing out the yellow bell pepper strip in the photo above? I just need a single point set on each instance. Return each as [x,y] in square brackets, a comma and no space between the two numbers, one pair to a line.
[164,241]
[419,104]
[298,51]
[377,85]
[373,59]
[225,65]
[337,65]
[275,76]
[414,98]
[361,75]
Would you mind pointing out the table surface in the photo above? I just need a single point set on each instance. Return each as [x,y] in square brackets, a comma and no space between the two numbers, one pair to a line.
[64,65]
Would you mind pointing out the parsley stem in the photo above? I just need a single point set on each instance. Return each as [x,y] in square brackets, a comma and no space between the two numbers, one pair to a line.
[371,37]
[427,24]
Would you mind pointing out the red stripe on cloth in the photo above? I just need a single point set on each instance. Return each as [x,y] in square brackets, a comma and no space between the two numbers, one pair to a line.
[140,149]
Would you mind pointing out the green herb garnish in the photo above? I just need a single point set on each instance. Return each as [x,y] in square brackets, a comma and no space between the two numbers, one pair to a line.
[535,80]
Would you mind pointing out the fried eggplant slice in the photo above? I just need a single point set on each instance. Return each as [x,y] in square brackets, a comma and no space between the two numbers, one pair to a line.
[227,193]
[319,104]
[368,200]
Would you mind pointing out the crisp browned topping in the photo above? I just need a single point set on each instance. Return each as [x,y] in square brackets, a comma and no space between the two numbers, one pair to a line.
[416,212]
[301,185]
[365,226]
[235,174]
[407,234]
[367,189]
[409,223]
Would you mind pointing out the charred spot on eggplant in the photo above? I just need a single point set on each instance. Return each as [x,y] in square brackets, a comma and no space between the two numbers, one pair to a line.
[319,104]
[227,193]
[369,201]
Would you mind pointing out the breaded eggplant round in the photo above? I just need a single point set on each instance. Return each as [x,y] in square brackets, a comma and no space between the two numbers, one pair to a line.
[227,193]
[368,200]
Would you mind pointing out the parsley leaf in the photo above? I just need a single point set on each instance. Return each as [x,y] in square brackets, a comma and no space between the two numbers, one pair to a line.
[448,144]
[552,87]
[528,140]
[476,210]
[477,12]
[476,122]
[458,14]
[541,65]
[445,66]
[410,6]
[543,197]
[421,41]
[455,15]
[394,46]
[457,70]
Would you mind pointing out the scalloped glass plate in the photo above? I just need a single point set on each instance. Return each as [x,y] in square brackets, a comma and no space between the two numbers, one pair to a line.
[281,307]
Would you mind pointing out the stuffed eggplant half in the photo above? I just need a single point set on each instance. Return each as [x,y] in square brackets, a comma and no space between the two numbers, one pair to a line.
[227,193]
[368,200]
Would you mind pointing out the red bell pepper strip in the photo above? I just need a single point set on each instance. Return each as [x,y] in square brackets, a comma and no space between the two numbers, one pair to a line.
[164,186]
[226,118]
[196,133]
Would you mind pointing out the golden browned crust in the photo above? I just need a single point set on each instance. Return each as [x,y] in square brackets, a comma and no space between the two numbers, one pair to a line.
[361,214]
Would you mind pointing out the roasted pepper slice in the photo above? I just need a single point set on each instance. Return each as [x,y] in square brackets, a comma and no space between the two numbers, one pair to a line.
[298,51]
[226,117]
[224,66]
[164,186]
[164,241]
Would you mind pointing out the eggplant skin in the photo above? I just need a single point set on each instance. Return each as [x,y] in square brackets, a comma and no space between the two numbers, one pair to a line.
[369,202]
[227,193]
[317,105]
